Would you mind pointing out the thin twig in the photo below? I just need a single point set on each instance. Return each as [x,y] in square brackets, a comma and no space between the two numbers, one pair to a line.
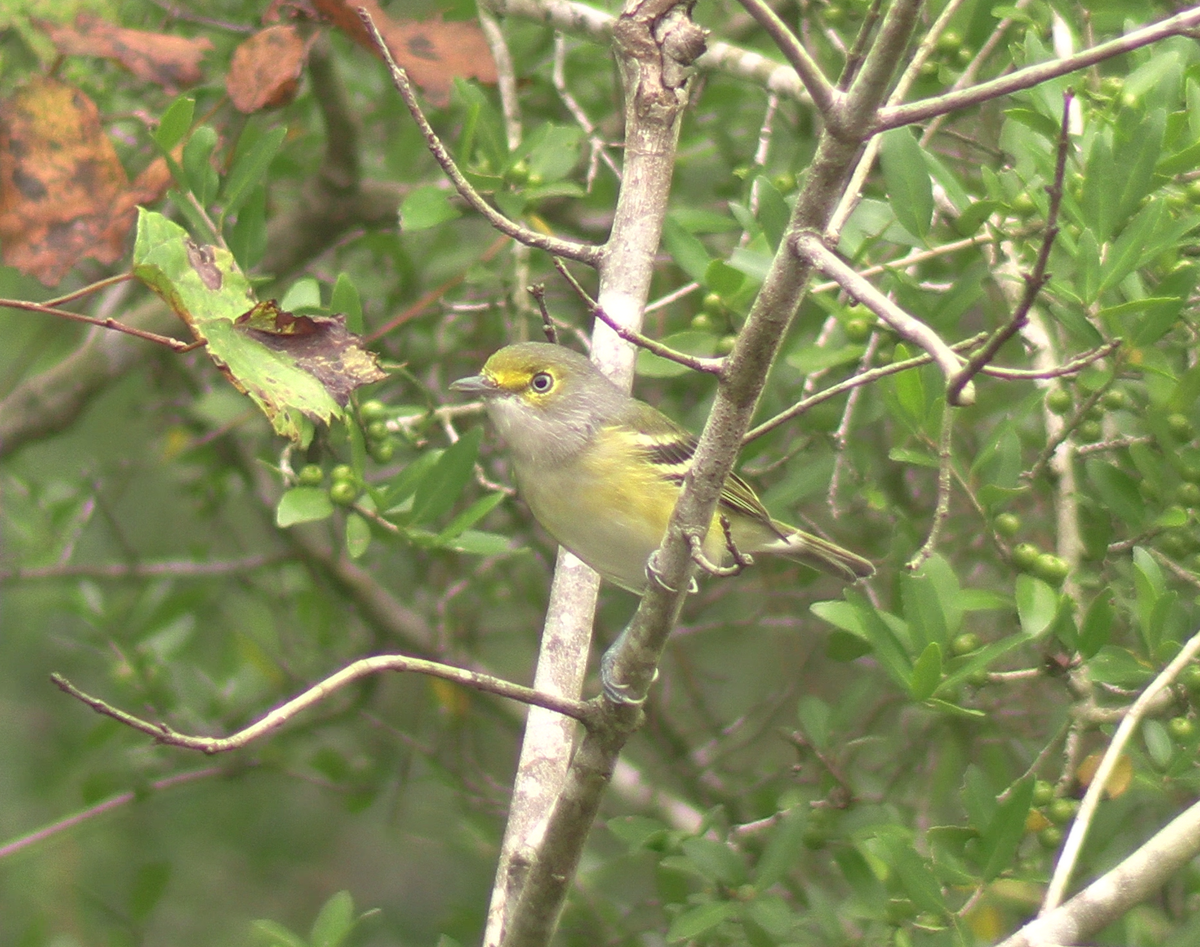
[176,345]
[712,366]
[811,247]
[538,292]
[824,96]
[577,709]
[941,509]
[863,378]
[583,252]
[59,826]
[597,145]
[1033,281]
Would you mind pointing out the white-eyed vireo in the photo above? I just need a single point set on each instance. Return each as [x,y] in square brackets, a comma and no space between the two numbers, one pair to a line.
[601,471]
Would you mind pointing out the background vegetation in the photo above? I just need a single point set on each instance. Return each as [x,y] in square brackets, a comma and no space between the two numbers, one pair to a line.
[892,764]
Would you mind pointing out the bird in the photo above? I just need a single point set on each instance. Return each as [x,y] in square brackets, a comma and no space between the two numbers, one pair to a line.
[601,470]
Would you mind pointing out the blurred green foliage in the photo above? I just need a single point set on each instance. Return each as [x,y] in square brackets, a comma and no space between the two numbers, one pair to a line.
[860,770]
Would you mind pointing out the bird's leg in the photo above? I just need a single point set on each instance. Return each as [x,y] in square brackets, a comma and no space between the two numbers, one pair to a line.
[740,559]
[615,691]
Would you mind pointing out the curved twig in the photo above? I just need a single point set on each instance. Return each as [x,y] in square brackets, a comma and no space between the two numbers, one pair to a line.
[577,709]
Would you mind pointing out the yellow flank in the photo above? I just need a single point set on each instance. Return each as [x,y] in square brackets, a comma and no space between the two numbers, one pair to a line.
[609,508]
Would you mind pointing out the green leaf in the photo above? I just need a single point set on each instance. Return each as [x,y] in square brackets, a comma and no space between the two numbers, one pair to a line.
[1097,625]
[201,176]
[723,279]
[554,150]
[247,238]
[1130,248]
[813,714]
[149,885]
[1037,604]
[426,207]
[174,124]
[358,535]
[345,300]
[867,888]
[773,212]
[293,385]
[476,543]
[887,646]
[999,841]
[926,672]
[469,517]
[913,872]
[250,164]
[700,920]
[275,935]
[785,848]
[335,921]
[980,660]
[450,475]
[1118,492]
[1159,745]
[405,483]
[843,646]
[906,177]
[715,860]
[686,250]
[924,610]
[303,505]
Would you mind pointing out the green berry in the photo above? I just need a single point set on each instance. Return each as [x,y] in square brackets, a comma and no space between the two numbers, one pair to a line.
[343,492]
[342,472]
[858,330]
[1043,792]
[1181,729]
[949,42]
[965,643]
[978,678]
[1007,524]
[382,451]
[1050,568]
[1023,205]
[377,430]
[1050,837]
[785,183]
[1058,401]
[1180,427]
[1115,399]
[702,321]
[310,475]
[517,173]
[1024,555]
[1062,810]
[1090,432]
[373,410]
[1190,678]
[713,304]
[1188,494]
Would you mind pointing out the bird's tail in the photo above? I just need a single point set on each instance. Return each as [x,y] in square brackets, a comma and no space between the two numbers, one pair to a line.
[820,554]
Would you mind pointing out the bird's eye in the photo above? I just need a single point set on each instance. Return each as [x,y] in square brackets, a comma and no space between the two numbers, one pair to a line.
[541,382]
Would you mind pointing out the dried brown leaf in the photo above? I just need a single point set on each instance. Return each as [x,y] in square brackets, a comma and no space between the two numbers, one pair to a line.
[265,70]
[433,52]
[171,62]
[63,192]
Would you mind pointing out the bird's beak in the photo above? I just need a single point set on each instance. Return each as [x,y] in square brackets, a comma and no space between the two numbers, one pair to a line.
[475,385]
